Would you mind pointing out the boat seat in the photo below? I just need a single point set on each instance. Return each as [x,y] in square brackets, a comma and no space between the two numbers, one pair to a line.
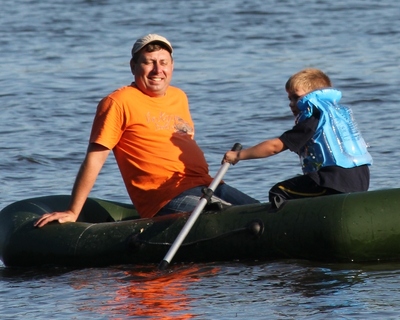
[97,211]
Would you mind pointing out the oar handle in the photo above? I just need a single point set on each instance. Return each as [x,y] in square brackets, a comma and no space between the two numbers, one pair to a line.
[222,170]
[195,214]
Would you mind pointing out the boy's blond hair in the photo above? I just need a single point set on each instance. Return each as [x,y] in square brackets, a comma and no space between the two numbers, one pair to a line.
[309,80]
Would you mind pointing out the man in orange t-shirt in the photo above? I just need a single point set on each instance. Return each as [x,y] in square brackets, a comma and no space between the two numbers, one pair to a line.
[149,128]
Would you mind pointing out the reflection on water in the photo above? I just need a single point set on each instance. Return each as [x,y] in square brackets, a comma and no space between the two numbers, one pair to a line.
[145,292]
[287,289]
[295,289]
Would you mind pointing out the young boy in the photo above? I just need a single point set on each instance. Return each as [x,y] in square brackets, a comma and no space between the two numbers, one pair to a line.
[333,154]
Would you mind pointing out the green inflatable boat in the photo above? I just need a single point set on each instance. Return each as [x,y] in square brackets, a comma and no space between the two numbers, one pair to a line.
[352,227]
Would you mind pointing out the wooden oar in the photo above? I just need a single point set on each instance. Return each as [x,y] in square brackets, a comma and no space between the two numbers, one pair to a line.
[196,212]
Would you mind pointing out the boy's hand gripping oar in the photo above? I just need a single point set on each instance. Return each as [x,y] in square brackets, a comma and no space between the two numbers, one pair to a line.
[196,212]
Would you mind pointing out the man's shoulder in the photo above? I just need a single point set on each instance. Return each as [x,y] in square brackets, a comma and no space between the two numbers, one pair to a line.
[176,90]
[123,90]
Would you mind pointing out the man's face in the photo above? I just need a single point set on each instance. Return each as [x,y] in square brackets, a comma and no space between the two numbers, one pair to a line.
[153,72]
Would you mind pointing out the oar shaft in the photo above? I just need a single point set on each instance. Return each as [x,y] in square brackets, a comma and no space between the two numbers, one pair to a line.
[195,214]
[182,235]
[218,177]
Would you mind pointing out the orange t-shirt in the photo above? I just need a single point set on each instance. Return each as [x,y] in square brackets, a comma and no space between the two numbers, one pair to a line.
[152,140]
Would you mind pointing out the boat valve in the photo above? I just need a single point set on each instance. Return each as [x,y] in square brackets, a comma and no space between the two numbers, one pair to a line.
[256,228]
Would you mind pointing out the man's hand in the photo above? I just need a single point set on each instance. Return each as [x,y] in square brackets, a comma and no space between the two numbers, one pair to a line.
[61,217]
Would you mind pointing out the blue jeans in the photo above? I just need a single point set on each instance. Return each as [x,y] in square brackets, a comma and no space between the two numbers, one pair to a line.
[189,199]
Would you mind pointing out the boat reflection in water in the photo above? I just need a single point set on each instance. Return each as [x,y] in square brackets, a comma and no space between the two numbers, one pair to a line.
[148,293]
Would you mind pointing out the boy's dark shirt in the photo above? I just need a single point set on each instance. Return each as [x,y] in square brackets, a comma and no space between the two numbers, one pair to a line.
[334,177]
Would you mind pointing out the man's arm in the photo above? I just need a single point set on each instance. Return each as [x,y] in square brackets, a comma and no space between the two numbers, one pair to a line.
[96,156]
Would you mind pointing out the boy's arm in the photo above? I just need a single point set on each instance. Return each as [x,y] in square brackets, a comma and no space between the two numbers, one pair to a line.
[262,150]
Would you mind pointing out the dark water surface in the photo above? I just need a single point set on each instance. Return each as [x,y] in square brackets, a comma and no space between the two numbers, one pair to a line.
[59,58]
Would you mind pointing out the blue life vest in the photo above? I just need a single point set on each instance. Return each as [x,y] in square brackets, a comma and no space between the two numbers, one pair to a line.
[337,140]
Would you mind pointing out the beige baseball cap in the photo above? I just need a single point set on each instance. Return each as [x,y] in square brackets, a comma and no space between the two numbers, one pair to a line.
[152,37]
